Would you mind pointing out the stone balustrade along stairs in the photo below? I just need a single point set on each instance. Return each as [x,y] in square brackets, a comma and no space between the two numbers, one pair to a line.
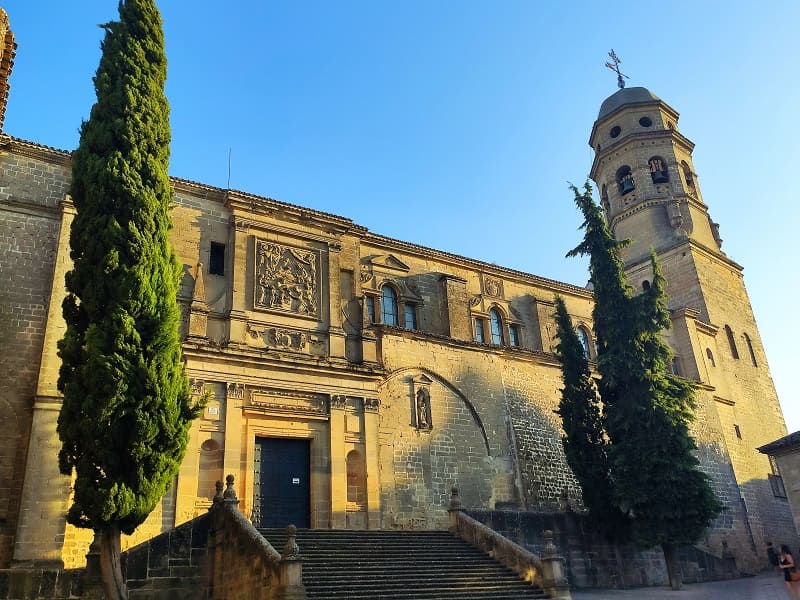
[399,565]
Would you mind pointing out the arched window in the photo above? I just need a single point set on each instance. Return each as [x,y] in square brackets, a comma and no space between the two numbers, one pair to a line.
[583,337]
[645,285]
[710,356]
[750,349]
[496,326]
[388,305]
[732,342]
[625,182]
[687,174]
[658,170]
[604,199]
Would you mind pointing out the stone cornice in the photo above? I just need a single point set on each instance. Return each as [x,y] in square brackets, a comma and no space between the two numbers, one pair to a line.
[244,205]
[695,245]
[387,243]
[526,354]
[36,151]
[668,134]
[633,105]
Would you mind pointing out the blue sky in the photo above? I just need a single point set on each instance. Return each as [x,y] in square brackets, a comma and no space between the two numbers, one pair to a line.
[457,125]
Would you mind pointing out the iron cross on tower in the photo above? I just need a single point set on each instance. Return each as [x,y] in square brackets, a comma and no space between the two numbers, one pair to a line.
[615,68]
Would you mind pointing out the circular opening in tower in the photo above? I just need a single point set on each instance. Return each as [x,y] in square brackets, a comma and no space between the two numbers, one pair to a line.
[645,121]
[615,131]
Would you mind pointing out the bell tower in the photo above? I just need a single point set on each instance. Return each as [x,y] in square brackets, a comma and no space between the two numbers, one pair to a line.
[650,194]
[645,175]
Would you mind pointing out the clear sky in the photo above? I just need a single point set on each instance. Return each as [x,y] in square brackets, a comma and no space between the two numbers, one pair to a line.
[457,125]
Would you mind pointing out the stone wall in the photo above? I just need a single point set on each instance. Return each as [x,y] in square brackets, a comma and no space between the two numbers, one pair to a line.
[593,563]
[30,191]
[41,584]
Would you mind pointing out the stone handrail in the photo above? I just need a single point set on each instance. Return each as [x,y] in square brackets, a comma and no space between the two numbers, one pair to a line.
[243,563]
[546,572]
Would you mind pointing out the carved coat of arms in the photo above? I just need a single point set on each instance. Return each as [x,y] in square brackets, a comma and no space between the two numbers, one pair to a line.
[286,279]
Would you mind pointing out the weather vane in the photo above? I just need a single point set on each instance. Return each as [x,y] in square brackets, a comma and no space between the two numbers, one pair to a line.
[615,68]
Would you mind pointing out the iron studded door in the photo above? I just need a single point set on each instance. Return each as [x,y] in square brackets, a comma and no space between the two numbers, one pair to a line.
[282,482]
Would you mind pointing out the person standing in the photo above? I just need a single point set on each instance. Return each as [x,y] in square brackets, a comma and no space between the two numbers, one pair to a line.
[772,555]
[788,566]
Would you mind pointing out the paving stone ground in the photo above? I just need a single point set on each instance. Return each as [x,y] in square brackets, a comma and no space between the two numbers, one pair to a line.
[765,586]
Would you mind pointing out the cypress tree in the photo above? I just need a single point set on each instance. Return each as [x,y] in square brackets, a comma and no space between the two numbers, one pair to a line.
[126,411]
[584,440]
[647,410]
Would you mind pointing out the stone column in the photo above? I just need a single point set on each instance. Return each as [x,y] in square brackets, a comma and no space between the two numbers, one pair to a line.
[338,463]
[371,407]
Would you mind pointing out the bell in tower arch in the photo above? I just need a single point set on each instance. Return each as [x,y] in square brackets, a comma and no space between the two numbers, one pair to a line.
[658,170]
[625,182]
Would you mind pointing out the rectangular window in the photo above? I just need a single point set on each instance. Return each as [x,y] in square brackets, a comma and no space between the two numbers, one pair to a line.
[479,333]
[776,482]
[216,259]
[410,316]
[513,335]
[369,303]
[737,431]
[675,367]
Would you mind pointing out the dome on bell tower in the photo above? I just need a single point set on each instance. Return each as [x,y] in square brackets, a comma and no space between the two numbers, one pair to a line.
[626,97]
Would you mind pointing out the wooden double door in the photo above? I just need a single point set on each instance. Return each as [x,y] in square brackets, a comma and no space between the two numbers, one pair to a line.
[282,483]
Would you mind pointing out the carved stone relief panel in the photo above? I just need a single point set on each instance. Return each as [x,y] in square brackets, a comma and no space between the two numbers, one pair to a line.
[235,390]
[492,287]
[282,338]
[286,279]
[285,401]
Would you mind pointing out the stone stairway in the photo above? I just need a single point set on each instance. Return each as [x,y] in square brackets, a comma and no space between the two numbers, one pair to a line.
[399,565]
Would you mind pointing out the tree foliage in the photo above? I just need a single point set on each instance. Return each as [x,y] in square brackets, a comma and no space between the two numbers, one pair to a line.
[585,444]
[126,411]
[647,410]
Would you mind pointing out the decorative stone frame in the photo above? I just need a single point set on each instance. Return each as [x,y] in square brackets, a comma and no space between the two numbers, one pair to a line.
[481,307]
[287,279]
[405,296]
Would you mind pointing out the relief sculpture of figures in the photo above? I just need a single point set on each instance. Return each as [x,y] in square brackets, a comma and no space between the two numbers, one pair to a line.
[423,409]
[286,279]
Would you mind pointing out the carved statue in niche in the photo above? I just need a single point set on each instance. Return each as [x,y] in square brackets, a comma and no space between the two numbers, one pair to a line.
[286,279]
[423,409]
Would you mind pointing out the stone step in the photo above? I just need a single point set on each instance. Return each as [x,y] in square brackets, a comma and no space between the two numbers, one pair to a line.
[399,565]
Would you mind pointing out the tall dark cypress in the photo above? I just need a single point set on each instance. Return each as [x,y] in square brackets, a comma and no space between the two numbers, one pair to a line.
[647,410]
[584,439]
[126,411]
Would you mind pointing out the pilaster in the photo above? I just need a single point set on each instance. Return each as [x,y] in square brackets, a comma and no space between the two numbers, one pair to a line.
[338,405]
[45,492]
[371,407]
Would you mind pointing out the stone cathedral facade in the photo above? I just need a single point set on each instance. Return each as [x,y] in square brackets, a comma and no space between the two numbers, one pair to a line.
[355,378]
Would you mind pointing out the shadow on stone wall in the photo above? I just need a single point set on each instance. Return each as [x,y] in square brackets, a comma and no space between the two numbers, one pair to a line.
[593,563]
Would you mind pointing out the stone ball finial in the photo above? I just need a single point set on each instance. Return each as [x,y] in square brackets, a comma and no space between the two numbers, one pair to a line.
[291,550]
[230,493]
[455,499]
[549,547]
[218,495]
